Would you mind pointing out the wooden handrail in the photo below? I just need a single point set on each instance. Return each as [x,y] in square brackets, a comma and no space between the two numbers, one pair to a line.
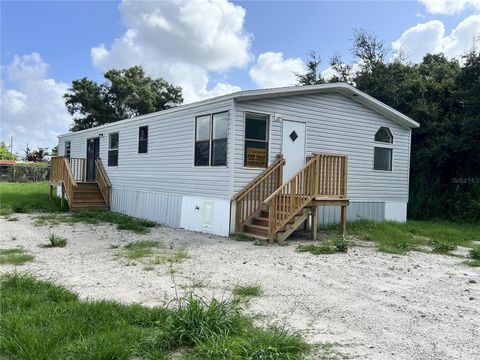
[279,161]
[322,175]
[103,181]
[249,200]
[61,171]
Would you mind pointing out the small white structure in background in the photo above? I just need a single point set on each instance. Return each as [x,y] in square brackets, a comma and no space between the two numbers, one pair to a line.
[183,165]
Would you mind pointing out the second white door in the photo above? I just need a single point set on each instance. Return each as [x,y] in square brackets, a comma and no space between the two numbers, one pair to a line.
[293,147]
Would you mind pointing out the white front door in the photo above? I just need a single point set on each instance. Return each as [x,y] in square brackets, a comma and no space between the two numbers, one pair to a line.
[293,147]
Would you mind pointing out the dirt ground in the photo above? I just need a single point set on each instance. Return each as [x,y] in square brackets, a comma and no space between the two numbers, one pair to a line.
[368,304]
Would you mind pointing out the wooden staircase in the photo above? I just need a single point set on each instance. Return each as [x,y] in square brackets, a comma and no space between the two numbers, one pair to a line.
[87,196]
[258,228]
[269,210]
[70,173]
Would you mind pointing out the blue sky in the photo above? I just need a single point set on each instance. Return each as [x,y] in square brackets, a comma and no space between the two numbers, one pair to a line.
[46,45]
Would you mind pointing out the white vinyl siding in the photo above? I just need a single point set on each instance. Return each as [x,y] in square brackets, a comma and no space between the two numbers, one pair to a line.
[168,167]
[335,124]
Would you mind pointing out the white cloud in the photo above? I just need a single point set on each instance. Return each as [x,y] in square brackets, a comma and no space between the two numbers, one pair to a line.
[430,37]
[272,70]
[32,110]
[449,6]
[181,41]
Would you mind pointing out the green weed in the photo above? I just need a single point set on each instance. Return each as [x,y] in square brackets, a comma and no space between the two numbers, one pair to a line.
[15,256]
[441,247]
[44,321]
[247,291]
[323,248]
[140,249]
[475,253]
[90,216]
[400,238]
[57,241]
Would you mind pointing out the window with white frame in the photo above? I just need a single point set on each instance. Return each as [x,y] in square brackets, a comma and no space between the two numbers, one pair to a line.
[256,140]
[211,139]
[383,155]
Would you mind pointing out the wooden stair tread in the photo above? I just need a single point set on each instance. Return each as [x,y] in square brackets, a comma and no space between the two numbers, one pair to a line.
[255,236]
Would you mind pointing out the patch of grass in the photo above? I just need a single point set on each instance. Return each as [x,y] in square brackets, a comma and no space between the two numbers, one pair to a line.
[12,218]
[400,238]
[148,268]
[473,263]
[57,241]
[140,249]
[89,216]
[27,198]
[247,291]
[15,256]
[324,248]
[475,253]
[241,237]
[441,247]
[43,321]
[329,245]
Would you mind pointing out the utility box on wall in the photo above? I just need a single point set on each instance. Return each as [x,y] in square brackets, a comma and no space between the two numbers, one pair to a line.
[205,215]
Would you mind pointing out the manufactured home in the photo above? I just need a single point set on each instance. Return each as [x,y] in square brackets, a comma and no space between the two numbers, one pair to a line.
[261,162]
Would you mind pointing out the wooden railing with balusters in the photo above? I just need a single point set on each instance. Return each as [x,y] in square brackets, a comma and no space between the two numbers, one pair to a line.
[323,175]
[77,166]
[103,181]
[250,199]
[61,171]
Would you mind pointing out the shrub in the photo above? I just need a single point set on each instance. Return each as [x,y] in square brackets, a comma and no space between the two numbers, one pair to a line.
[57,241]
[341,244]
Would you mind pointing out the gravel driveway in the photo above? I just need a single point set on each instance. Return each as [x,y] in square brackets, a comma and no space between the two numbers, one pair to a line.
[368,304]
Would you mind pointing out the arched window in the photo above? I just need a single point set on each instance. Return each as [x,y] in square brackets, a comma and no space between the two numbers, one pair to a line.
[384,135]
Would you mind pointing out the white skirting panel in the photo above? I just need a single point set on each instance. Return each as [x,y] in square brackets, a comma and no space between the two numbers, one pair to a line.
[161,208]
[396,211]
[355,211]
[206,215]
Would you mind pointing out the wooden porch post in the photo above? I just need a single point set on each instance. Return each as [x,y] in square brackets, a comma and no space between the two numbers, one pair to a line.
[63,196]
[344,220]
[314,222]
[51,191]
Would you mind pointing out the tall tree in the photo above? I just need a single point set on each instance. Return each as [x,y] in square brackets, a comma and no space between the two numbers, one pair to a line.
[313,75]
[5,153]
[443,96]
[126,93]
[37,155]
